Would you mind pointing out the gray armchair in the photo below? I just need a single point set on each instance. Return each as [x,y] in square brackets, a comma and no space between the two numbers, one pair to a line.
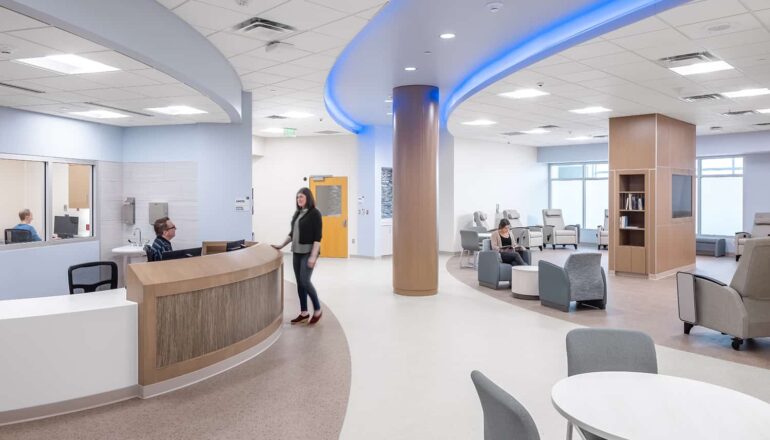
[603,232]
[469,241]
[582,279]
[492,271]
[741,309]
[761,229]
[556,232]
[480,221]
[527,236]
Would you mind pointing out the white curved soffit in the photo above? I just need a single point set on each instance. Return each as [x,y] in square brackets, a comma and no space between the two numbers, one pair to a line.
[147,32]
[488,47]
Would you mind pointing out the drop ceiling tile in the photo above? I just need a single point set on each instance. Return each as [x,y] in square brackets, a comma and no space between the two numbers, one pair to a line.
[118,60]
[253,7]
[307,96]
[208,16]
[264,78]
[118,79]
[12,21]
[23,49]
[11,70]
[613,60]
[20,100]
[280,54]
[296,84]
[742,51]
[643,71]
[764,17]
[370,13]
[163,91]
[562,70]
[288,70]
[604,82]
[667,50]
[66,97]
[722,26]
[205,31]
[171,4]
[588,75]
[318,61]
[641,27]
[695,12]
[591,50]
[58,39]
[231,44]
[110,94]
[248,63]
[550,61]
[346,28]
[349,6]
[302,14]
[315,42]
[651,39]
[736,39]
[69,83]
[317,76]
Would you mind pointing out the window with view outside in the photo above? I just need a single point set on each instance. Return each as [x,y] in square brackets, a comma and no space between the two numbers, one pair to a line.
[581,191]
[720,196]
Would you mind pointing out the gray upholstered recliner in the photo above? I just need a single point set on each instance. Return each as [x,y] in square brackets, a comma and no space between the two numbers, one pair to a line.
[603,232]
[527,236]
[480,221]
[582,279]
[741,309]
[492,271]
[761,229]
[556,232]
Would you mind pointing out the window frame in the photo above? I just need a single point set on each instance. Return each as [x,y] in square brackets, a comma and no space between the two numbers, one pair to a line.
[583,179]
[699,187]
[48,162]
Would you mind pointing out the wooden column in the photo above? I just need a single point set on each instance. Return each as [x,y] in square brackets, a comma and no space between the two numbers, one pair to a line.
[415,158]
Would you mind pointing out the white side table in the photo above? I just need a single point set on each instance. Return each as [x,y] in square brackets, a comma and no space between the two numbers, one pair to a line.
[524,282]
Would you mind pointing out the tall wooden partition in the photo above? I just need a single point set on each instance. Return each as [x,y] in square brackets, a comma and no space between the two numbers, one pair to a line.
[646,152]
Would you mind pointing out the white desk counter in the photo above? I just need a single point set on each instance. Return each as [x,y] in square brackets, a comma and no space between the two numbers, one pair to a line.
[66,352]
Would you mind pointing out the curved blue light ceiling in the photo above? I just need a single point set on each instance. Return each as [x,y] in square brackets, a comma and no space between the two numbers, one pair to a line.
[371,65]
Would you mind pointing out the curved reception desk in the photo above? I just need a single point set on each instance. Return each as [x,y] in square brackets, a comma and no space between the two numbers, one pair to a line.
[176,323]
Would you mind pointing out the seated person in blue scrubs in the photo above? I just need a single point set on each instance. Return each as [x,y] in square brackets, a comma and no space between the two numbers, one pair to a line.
[165,231]
[25,215]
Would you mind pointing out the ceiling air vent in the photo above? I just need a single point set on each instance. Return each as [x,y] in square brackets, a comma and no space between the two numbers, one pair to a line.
[23,89]
[688,58]
[512,133]
[328,132]
[700,98]
[600,136]
[263,28]
[740,113]
[275,117]
[762,124]
[119,109]
[548,127]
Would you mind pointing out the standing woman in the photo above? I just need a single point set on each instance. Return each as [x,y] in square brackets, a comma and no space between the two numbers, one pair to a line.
[305,238]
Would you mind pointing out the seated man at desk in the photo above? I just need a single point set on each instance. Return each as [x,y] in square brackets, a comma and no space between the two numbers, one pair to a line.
[165,230]
[25,215]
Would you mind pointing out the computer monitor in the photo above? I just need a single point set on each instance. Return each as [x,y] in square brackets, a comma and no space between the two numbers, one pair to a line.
[235,245]
[65,226]
[182,253]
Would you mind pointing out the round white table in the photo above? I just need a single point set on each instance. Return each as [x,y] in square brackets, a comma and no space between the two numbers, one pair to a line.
[127,252]
[639,406]
[524,282]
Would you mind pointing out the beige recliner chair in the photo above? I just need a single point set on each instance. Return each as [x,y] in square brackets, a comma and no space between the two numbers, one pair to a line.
[742,309]
[527,236]
[603,232]
[556,232]
[761,229]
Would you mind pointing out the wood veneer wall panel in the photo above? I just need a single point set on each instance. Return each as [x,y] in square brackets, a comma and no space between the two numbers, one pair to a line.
[632,142]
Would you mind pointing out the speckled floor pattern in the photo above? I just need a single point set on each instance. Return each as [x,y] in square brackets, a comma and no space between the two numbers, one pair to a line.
[297,389]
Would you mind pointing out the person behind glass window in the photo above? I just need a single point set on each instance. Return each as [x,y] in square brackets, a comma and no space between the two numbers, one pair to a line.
[502,241]
[165,231]
[25,215]
[305,239]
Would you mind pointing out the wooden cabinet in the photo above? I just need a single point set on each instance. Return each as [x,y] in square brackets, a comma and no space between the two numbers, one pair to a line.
[79,186]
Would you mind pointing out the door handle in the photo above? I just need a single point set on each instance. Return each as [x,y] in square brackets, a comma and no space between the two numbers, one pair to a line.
[345,223]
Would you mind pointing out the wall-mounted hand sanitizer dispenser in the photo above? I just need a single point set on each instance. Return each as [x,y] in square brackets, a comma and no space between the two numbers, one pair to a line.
[129,211]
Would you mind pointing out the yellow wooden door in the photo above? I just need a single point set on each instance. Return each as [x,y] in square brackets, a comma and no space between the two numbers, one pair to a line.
[331,198]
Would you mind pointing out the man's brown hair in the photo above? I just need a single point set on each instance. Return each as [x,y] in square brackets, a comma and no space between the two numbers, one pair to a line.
[160,225]
[23,214]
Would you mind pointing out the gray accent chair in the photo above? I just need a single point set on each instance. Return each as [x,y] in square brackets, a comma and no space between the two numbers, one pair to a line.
[480,221]
[504,417]
[603,232]
[469,241]
[582,279]
[591,350]
[761,229]
[556,232]
[492,271]
[741,309]
[527,236]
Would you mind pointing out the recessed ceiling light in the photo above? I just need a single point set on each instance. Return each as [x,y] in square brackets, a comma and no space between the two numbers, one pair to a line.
[67,63]
[747,93]
[480,123]
[100,114]
[698,68]
[410,69]
[275,130]
[536,131]
[176,110]
[590,110]
[579,138]
[389,113]
[763,110]
[389,100]
[523,93]
[447,36]
[297,115]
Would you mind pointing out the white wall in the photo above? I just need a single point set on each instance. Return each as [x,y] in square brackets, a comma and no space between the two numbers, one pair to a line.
[488,174]
[279,173]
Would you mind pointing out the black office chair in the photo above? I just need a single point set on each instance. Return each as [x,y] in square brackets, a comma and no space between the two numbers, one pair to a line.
[149,253]
[17,236]
[91,277]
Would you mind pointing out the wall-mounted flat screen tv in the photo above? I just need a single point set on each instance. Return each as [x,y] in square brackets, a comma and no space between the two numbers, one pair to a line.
[681,196]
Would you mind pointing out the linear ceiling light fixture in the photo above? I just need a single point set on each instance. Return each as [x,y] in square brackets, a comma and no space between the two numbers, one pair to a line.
[274,130]
[177,110]
[579,138]
[699,68]
[410,69]
[447,36]
[297,115]
[67,63]
[523,93]
[538,130]
[480,123]
[747,93]
[590,110]
[764,110]
[100,114]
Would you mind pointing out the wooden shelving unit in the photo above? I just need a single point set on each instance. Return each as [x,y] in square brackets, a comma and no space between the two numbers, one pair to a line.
[631,254]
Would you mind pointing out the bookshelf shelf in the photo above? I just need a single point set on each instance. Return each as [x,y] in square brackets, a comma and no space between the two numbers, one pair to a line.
[631,214]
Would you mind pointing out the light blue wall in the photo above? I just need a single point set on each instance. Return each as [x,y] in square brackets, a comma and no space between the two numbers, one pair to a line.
[223,154]
[375,150]
[43,135]
[573,153]
[756,181]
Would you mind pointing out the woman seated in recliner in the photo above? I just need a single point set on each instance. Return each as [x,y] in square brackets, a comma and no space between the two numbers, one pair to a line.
[502,241]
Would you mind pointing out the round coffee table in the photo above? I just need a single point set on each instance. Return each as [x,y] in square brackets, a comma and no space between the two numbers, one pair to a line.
[524,282]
